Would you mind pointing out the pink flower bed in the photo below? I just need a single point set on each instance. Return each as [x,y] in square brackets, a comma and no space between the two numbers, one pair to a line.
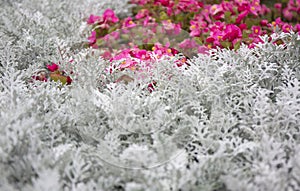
[206,26]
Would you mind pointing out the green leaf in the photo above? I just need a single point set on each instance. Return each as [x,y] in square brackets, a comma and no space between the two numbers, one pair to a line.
[225,44]
[237,45]
[57,77]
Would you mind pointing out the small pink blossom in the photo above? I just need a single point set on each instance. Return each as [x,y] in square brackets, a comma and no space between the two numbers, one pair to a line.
[93,19]
[287,14]
[92,39]
[53,67]
[256,30]
[110,16]
[278,6]
[142,13]
[286,27]
[139,2]
[171,28]
[243,26]
[264,22]
[128,23]
[297,28]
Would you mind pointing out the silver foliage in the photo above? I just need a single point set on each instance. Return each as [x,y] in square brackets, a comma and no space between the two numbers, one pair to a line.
[229,121]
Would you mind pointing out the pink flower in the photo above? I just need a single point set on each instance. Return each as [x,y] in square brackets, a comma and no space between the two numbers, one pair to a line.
[264,10]
[256,30]
[140,54]
[123,54]
[215,9]
[128,23]
[287,14]
[139,2]
[202,50]
[232,32]
[171,28]
[189,5]
[93,19]
[187,44]
[195,29]
[53,67]
[165,3]
[278,6]
[127,63]
[264,22]
[142,13]
[297,28]
[215,37]
[241,16]
[255,40]
[286,27]
[110,16]
[92,39]
[255,7]
[243,26]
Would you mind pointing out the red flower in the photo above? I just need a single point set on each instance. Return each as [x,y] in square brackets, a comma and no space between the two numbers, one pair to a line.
[53,67]
[69,80]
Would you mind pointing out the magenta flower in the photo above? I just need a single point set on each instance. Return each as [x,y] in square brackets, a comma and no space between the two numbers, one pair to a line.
[128,23]
[256,30]
[202,50]
[92,39]
[93,19]
[255,7]
[53,67]
[171,28]
[287,27]
[287,14]
[128,63]
[278,6]
[264,10]
[142,13]
[215,9]
[195,29]
[241,16]
[264,22]
[215,37]
[139,2]
[165,3]
[189,5]
[297,28]
[243,26]
[187,44]
[232,32]
[110,16]
[140,54]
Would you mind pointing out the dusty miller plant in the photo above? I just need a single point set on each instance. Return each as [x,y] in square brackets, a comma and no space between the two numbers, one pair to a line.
[228,121]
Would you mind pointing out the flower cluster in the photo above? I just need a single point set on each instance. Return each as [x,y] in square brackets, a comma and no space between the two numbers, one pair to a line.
[210,25]
[53,73]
